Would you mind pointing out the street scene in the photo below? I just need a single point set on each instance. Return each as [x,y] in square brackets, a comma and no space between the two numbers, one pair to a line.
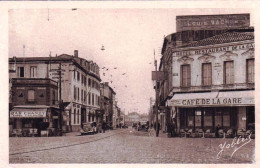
[131,90]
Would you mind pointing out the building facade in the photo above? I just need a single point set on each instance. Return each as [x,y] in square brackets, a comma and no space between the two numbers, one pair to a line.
[210,75]
[131,118]
[33,106]
[108,104]
[80,84]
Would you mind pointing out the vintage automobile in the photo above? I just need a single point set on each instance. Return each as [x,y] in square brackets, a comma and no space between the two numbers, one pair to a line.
[88,128]
[143,126]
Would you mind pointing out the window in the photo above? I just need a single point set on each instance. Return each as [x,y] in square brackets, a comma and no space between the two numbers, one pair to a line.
[93,99]
[208,113]
[81,95]
[206,74]
[93,83]
[53,97]
[89,82]
[74,116]
[84,96]
[78,93]
[21,71]
[33,70]
[78,117]
[89,98]
[75,93]
[31,96]
[74,74]
[250,66]
[78,76]
[84,81]
[228,72]
[185,75]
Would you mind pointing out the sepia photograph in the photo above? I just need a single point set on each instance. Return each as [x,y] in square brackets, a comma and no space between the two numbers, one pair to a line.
[131,86]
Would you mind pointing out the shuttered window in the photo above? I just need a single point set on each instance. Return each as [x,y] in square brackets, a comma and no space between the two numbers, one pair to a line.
[185,75]
[228,72]
[250,65]
[33,71]
[75,93]
[31,95]
[206,74]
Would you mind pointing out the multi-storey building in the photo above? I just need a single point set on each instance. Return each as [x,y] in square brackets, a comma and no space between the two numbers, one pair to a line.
[131,118]
[108,103]
[80,84]
[33,105]
[210,75]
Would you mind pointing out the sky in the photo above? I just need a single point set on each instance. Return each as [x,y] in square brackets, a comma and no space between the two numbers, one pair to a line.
[129,36]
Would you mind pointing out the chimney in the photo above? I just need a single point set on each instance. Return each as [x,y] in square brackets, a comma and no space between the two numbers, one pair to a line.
[76,53]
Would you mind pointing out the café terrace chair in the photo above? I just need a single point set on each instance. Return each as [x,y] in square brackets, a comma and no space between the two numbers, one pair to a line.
[221,133]
[182,133]
[189,133]
[240,133]
[230,133]
[207,133]
[33,132]
[201,133]
[17,132]
[248,132]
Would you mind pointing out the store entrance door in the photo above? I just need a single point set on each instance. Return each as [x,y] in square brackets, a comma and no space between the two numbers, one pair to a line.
[250,117]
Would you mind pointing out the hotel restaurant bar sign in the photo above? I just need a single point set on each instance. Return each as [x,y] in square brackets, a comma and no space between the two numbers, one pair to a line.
[240,101]
[27,114]
[207,22]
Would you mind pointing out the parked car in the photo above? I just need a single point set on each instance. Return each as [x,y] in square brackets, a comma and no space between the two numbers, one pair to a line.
[88,128]
[125,126]
[134,125]
[143,126]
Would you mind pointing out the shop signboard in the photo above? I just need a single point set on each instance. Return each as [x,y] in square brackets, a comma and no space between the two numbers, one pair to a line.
[239,101]
[245,46]
[158,75]
[27,114]
[207,22]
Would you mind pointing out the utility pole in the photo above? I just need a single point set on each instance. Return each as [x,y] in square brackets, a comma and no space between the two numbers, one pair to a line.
[60,102]
[156,98]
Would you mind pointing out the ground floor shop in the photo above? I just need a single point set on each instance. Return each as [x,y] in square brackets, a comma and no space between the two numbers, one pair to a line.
[34,121]
[77,114]
[210,117]
[212,111]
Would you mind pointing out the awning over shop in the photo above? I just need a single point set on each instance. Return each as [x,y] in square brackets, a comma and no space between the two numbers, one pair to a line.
[208,99]
[28,113]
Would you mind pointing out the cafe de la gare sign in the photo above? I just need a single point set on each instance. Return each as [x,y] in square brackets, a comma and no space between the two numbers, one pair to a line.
[240,101]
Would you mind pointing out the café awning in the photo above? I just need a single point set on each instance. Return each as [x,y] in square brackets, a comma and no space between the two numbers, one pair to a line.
[28,113]
[208,99]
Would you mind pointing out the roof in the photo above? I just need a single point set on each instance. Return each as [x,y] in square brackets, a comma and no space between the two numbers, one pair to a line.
[60,58]
[223,38]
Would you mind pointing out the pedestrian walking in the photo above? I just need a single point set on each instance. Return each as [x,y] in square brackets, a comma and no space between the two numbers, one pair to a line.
[103,127]
[99,127]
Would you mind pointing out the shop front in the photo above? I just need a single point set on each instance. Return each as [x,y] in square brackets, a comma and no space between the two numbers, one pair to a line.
[211,110]
[33,121]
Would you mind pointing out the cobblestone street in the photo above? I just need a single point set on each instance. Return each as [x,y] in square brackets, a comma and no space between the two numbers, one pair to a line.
[125,146]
